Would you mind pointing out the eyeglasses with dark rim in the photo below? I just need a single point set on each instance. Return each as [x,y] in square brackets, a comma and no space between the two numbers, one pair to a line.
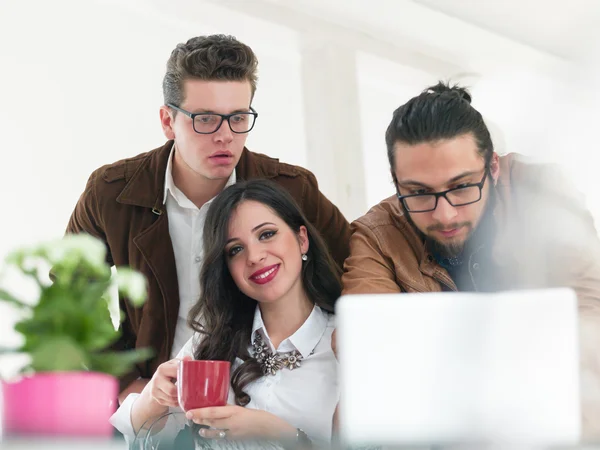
[209,123]
[459,196]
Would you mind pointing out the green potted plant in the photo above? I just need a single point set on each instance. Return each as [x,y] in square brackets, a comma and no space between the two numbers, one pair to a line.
[69,386]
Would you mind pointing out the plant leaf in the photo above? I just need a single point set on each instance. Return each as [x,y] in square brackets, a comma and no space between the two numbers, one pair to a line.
[4,295]
[70,327]
[8,351]
[58,354]
[132,285]
[118,363]
[97,329]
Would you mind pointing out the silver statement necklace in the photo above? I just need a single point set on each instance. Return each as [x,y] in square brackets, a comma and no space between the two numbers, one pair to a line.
[271,362]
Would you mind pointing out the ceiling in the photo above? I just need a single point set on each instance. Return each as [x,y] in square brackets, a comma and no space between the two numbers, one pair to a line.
[442,36]
[567,29]
[526,31]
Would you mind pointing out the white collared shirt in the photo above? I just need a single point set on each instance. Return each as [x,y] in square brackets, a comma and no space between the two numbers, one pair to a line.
[186,224]
[305,397]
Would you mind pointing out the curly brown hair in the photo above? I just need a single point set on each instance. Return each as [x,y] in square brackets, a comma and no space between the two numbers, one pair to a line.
[214,57]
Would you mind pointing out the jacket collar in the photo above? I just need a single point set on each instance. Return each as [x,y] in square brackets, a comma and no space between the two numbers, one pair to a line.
[178,195]
[145,175]
[145,179]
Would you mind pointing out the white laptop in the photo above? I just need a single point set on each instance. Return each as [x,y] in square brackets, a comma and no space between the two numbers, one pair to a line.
[459,368]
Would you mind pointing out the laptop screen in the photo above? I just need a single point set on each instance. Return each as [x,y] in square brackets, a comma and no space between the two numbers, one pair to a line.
[459,367]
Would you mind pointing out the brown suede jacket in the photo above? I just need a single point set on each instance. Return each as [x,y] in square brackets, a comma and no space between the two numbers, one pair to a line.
[545,237]
[122,204]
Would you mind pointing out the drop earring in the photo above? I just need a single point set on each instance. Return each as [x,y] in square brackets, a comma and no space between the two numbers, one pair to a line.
[304,257]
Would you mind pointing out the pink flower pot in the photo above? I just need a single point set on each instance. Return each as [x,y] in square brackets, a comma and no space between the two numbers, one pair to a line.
[64,403]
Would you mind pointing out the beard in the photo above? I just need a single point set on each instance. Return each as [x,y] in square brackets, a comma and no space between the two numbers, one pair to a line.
[453,249]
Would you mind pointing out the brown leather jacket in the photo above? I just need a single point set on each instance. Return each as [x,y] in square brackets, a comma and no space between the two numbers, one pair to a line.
[545,238]
[122,204]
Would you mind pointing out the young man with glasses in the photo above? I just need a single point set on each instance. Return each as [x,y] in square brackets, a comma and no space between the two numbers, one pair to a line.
[150,209]
[466,219]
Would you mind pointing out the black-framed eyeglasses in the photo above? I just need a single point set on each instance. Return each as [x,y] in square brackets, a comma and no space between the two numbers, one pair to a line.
[458,196]
[208,123]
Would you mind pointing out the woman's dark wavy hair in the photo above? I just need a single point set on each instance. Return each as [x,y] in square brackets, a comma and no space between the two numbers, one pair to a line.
[224,316]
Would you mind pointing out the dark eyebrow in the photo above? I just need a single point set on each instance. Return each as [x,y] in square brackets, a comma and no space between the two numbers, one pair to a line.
[452,180]
[253,230]
[209,111]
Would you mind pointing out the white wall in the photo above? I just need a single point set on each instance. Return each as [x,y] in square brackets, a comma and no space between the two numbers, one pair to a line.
[546,115]
[383,86]
[81,85]
[549,118]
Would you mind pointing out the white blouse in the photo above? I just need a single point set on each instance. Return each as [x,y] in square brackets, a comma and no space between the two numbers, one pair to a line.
[305,397]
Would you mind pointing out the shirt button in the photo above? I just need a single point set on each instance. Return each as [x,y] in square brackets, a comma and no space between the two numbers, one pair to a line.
[197,259]
[476,266]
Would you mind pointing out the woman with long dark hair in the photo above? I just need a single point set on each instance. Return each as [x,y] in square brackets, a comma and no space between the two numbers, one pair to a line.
[268,289]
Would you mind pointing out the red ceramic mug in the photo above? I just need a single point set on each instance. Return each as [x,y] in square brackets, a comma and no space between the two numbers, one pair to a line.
[201,384]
